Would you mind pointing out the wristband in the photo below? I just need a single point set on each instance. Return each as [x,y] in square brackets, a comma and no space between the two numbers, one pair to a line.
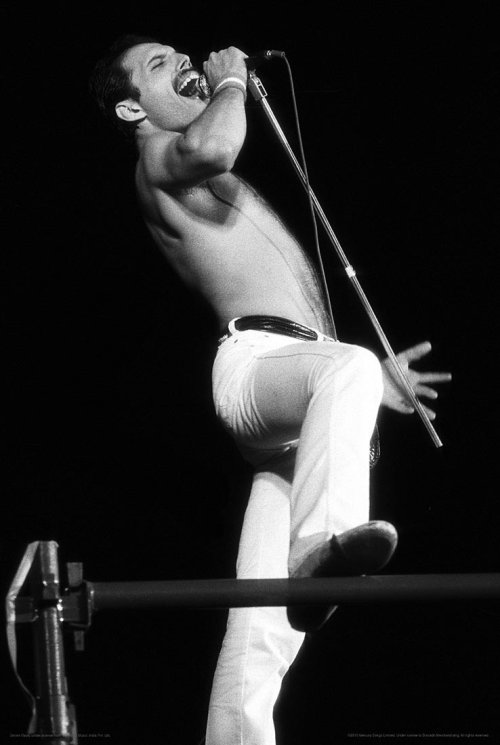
[231,82]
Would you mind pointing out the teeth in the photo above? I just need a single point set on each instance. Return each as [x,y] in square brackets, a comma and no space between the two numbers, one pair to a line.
[186,86]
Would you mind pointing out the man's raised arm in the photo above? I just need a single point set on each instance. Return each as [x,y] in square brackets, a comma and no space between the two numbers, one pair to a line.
[211,143]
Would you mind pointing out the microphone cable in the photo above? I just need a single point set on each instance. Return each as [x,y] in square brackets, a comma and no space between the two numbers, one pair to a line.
[308,188]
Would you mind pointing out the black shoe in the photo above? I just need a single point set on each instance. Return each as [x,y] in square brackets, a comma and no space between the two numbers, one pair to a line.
[362,550]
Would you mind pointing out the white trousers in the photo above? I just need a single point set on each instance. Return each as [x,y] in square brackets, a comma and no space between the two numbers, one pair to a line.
[303,414]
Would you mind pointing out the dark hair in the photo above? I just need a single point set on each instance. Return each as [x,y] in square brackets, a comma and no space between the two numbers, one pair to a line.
[110,83]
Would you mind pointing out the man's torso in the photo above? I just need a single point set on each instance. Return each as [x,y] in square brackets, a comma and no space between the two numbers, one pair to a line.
[225,242]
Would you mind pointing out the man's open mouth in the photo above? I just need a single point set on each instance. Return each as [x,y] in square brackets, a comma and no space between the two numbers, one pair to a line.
[186,83]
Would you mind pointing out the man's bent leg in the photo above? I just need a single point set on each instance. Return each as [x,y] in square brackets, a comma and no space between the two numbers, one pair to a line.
[330,491]
[259,645]
[332,391]
[330,494]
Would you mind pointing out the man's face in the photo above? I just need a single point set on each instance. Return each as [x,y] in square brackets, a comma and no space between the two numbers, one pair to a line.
[160,73]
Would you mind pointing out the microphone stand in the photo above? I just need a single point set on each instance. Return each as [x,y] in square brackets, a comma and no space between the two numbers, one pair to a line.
[259,93]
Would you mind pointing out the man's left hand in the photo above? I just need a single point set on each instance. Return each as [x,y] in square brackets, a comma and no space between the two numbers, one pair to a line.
[394,395]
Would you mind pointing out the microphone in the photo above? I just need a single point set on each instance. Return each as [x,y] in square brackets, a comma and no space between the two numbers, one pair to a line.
[202,87]
[265,55]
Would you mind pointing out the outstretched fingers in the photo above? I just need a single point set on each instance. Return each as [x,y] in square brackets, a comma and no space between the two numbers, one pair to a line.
[421,383]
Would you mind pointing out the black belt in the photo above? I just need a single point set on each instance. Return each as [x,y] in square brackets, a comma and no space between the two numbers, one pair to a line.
[274,325]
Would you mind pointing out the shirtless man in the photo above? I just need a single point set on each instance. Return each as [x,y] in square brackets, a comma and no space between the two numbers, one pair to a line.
[301,405]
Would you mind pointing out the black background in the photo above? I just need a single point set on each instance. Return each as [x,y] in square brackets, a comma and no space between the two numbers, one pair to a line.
[111,445]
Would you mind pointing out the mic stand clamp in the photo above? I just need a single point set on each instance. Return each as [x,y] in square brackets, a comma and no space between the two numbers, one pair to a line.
[55,719]
[51,611]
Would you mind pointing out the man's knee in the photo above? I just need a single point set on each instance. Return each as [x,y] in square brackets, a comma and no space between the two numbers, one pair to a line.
[367,369]
[357,365]
[366,362]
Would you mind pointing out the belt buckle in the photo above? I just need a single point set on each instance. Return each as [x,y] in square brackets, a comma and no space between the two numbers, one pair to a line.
[231,328]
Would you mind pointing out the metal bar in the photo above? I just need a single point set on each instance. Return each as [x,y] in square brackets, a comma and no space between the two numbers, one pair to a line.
[232,593]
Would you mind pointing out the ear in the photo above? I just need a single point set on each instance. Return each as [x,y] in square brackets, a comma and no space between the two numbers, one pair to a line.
[130,111]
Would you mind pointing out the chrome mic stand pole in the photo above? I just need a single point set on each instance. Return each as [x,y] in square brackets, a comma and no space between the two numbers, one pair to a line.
[259,93]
